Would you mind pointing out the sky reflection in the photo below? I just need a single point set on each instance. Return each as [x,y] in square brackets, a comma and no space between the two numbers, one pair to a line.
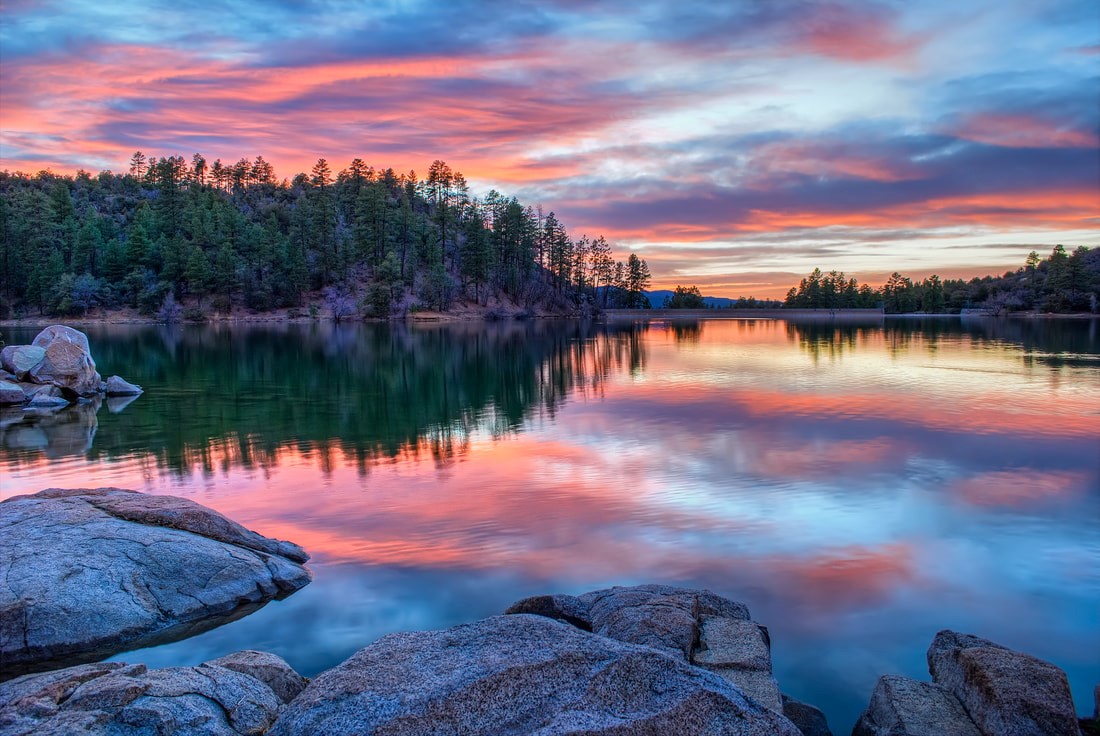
[858,489]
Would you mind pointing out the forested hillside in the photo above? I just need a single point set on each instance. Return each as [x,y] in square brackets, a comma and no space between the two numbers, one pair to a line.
[1062,282]
[187,238]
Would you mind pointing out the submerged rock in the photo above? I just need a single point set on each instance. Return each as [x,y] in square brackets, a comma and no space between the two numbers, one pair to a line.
[117,698]
[521,674]
[91,572]
[1006,693]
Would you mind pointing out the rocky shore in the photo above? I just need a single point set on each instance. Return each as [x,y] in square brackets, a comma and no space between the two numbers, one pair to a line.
[55,370]
[90,572]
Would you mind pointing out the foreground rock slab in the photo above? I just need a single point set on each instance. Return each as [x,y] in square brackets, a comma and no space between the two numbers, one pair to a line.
[1006,693]
[87,573]
[227,697]
[521,674]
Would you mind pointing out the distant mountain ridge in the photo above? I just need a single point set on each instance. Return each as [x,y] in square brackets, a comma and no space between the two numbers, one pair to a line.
[657,299]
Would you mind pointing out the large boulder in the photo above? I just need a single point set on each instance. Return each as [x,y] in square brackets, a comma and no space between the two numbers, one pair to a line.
[118,698]
[91,572]
[1006,693]
[19,359]
[55,333]
[69,367]
[521,674]
[901,706]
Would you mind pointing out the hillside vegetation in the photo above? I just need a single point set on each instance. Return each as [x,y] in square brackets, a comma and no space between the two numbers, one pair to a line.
[187,238]
[1060,283]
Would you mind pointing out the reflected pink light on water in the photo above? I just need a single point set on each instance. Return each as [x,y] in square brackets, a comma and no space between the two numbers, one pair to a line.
[1018,488]
[837,481]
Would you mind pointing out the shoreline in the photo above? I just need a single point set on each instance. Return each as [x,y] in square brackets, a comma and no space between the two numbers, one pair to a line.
[127,318]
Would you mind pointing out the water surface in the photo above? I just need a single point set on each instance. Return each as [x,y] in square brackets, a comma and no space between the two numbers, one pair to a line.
[858,486]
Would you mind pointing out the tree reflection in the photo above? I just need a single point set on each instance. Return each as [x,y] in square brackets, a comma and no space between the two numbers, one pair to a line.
[218,396]
[1051,342]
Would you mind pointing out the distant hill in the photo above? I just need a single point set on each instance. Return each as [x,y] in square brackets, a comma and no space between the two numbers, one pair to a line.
[657,299]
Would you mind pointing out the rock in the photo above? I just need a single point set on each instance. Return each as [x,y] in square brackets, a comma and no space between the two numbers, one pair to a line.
[68,367]
[1006,693]
[53,333]
[566,608]
[30,389]
[19,359]
[739,651]
[91,572]
[48,396]
[117,698]
[810,720]
[659,616]
[901,706]
[699,627]
[269,669]
[520,674]
[116,386]
[11,393]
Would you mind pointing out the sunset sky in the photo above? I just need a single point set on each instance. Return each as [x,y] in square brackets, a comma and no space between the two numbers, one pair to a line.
[734,145]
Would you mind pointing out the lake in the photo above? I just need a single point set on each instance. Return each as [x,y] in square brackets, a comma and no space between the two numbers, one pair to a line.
[858,486]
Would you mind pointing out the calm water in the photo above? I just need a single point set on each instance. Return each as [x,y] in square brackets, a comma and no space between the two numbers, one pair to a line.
[859,488]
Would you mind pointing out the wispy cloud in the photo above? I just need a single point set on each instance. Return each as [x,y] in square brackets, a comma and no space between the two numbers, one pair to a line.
[754,129]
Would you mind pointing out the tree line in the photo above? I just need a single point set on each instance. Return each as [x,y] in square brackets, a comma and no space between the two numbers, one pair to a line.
[1060,283]
[174,236]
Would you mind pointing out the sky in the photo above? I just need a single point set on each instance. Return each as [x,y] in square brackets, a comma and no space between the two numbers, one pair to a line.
[734,145]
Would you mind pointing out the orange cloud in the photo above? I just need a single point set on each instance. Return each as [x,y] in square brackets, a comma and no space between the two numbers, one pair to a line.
[1023,131]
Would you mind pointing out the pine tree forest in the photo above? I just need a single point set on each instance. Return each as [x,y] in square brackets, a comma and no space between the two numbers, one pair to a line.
[186,239]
